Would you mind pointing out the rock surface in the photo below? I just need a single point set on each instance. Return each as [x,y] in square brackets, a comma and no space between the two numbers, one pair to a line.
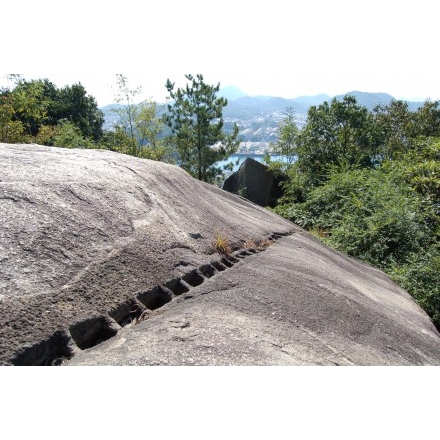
[84,231]
[92,242]
[296,303]
[254,181]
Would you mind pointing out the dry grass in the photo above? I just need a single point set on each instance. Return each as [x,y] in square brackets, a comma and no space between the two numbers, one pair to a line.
[250,244]
[256,244]
[222,245]
[264,243]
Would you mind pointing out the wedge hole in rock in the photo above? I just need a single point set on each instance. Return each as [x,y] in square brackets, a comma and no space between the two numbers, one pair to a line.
[93,331]
[245,254]
[193,278]
[177,286]
[233,259]
[207,270]
[53,351]
[127,312]
[227,262]
[219,266]
[155,298]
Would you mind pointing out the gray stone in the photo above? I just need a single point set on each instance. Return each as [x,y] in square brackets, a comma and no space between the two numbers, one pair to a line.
[108,260]
[254,181]
[296,303]
[83,232]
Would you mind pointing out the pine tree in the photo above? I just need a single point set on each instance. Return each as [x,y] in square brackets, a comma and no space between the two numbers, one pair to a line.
[196,120]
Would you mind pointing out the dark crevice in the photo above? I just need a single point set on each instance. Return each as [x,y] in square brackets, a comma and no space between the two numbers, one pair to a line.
[177,286]
[193,278]
[227,262]
[93,331]
[242,254]
[155,298]
[219,266]
[51,352]
[208,270]
[278,235]
[127,312]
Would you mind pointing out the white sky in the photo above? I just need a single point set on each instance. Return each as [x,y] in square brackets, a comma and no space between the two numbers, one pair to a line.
[278,47]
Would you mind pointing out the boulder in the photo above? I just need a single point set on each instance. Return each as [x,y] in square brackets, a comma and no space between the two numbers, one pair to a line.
[256,182]
[84,233]
[108,259]
[296,303]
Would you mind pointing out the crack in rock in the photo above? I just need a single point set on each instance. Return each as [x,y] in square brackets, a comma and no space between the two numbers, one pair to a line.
[90,332]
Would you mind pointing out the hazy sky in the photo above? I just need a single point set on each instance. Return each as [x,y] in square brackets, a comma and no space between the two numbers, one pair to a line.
[278,47]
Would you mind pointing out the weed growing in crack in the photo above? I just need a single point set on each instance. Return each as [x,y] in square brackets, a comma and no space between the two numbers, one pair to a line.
[250,244]
[264,243]
[222,245]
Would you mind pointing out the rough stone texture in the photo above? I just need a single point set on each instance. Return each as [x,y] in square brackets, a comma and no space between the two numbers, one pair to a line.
[255,182]
[296,303]
[92,242]
[83,231]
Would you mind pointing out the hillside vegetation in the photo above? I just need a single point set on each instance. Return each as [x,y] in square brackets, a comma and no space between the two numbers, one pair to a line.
[368,184]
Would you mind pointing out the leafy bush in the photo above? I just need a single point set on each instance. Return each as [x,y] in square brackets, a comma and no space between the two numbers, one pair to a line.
[68,135]
[420,276]
[11,130]
[383,216]
[368,214]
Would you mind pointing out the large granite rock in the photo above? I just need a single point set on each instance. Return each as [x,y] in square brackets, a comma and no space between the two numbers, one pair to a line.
[83,232]
[296,303]
[92,242]
[256,182]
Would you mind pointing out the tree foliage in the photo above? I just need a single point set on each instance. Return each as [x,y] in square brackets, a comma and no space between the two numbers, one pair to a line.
[30,105]
[11,131]
[334,133]
[67,135]
[38,104]
[287,137]
[140,130]
[127,110]
[286,145]
[368,184]
[73,104]
[196,120]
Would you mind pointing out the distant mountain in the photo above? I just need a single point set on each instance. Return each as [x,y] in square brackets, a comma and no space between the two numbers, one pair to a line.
[313,100]
[231,93]
[263,104]
[369,100]
[258,116]
[111,107]
[249,107]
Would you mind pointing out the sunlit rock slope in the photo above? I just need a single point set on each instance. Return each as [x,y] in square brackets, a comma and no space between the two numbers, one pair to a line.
[109,259]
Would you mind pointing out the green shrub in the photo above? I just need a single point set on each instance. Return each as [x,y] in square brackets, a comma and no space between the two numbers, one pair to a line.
[420,276]
[68,135]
